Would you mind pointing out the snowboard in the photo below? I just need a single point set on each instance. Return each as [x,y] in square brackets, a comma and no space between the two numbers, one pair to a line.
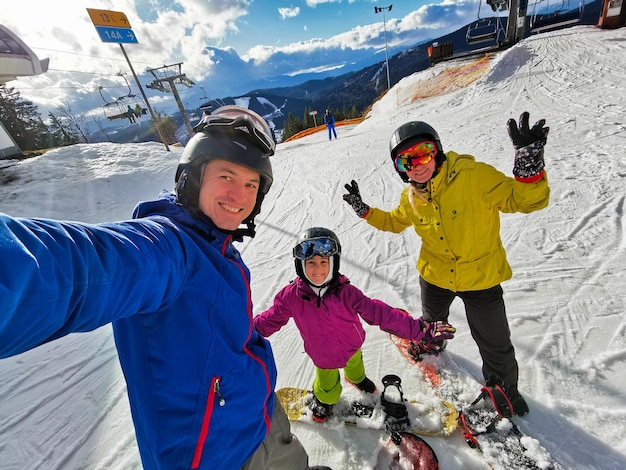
[406,451]
[497,437]
[366,412]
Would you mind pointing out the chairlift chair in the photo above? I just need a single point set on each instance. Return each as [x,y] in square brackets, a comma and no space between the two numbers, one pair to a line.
[558,15]
[117,108]
[487,28]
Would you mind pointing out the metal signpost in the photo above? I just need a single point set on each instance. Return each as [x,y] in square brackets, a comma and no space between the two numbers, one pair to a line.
[382,10]
[113,26]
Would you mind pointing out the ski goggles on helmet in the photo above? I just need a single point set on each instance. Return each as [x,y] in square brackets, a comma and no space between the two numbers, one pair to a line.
[419,154]
[323,246]
[241,119]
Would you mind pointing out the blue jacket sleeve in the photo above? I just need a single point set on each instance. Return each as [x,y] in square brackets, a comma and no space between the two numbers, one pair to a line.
[57,278]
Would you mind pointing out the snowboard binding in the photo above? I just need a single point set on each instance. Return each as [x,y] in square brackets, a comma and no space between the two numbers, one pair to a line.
[499,401]
[396,413]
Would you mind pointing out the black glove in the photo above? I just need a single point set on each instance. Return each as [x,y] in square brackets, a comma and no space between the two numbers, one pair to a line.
[528,143]
[354,199]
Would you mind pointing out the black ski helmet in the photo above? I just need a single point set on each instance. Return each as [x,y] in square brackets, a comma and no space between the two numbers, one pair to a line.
[230,133]
[318,232]
[410,133]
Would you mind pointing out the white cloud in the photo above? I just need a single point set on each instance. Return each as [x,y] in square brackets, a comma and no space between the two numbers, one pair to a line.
[314,3]
[196,32]
[288,12]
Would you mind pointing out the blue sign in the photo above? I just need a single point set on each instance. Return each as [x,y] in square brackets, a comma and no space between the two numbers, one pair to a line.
[108,34]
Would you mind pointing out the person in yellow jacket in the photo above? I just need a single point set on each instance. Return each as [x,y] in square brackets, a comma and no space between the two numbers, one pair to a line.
[453,203]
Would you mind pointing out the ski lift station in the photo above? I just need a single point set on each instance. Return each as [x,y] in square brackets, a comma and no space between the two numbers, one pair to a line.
[16,60]
[502,23]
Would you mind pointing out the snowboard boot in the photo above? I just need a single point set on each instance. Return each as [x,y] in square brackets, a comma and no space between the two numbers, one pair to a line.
[321,411]
[365,385]
[515,399]
[520,407]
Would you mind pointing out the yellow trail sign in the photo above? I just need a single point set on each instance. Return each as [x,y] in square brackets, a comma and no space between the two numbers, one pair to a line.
[108,18]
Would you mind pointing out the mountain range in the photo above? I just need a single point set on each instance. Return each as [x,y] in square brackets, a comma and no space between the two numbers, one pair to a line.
[358,88]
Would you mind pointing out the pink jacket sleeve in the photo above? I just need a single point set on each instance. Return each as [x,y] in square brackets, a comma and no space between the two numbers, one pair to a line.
[275,317]
[389,319]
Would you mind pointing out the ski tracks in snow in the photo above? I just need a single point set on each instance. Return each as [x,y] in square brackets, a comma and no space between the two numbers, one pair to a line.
[561,337]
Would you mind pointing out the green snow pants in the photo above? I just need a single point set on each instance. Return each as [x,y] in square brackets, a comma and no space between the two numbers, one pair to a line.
[327,384]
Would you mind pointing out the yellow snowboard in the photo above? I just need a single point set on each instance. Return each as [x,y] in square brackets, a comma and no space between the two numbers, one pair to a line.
[424,419]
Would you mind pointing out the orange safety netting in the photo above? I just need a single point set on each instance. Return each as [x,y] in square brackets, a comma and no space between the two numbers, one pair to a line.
[449,80]
[322,127]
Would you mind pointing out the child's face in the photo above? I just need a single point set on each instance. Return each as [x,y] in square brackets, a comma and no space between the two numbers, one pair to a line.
[317,269]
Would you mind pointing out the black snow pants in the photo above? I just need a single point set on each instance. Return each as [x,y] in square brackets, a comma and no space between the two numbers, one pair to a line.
[486,315]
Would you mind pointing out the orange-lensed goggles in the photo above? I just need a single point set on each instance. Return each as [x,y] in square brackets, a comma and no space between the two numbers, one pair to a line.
[420,154]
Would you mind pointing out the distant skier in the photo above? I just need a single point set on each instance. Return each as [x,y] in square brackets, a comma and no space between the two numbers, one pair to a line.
[327,309]
[138,112]
[453,203]
[329,120]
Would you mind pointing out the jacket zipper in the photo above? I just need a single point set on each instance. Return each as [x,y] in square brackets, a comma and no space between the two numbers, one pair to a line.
[208,412]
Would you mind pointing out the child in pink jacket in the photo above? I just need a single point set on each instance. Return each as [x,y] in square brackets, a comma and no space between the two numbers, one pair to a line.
[327,310]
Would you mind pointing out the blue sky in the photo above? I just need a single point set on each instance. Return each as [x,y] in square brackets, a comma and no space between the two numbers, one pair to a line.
[300,20]
[290,21]
[225,44]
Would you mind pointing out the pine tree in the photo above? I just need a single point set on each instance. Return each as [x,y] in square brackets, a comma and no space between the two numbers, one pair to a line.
[293,125]
[22,120]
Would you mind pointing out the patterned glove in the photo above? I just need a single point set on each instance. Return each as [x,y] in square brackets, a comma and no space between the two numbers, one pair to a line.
[354,199]
[528,143]
[436,331]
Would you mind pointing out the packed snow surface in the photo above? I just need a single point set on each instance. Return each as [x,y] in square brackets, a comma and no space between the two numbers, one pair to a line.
[64,404]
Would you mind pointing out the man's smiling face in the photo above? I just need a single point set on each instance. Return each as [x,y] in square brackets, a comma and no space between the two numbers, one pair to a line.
[228,193]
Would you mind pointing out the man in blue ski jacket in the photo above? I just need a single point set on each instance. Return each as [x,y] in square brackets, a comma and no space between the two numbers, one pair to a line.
[200,378]
[329,120]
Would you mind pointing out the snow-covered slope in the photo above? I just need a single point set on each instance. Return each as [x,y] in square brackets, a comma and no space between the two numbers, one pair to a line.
[64,406]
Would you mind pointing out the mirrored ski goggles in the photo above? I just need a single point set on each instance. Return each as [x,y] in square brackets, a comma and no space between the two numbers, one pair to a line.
[324,247]
[420,154]
[242,119]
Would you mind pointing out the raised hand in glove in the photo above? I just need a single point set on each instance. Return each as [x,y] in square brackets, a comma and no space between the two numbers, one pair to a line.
[354,199]
[528,143]
[436,331]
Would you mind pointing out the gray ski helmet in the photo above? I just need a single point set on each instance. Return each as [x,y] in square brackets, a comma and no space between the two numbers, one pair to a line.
[312,233]
[230,133]
[410,133]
